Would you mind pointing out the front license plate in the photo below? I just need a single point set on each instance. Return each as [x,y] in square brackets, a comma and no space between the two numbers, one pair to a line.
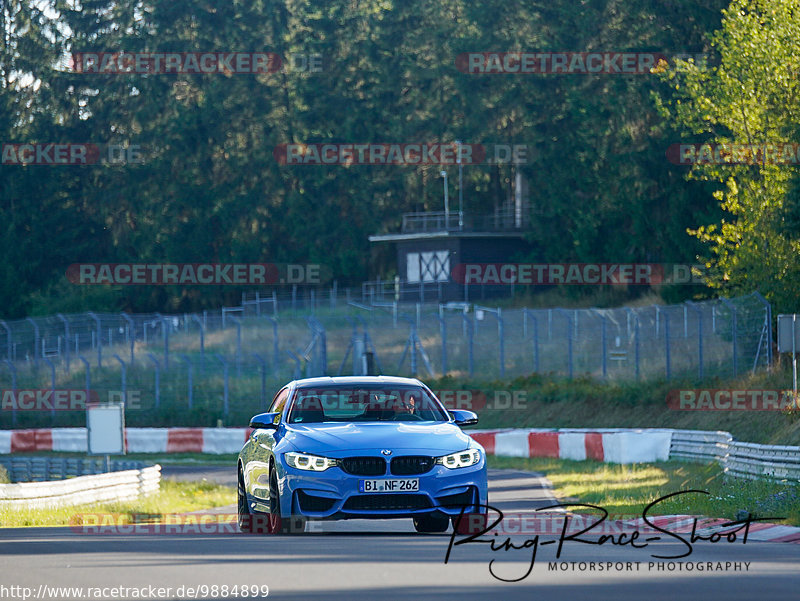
[397,485]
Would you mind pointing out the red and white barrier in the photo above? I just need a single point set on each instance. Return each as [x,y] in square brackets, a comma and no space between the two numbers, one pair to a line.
[609,445]
[615,446]
[137,440]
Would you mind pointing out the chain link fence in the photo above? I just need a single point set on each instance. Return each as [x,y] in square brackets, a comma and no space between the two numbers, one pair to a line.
[223,366]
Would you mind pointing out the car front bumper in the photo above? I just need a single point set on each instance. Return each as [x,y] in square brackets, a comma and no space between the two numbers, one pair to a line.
[335,494]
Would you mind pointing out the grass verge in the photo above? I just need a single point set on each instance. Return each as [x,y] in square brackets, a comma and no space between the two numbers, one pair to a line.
[628,489]
[173,497]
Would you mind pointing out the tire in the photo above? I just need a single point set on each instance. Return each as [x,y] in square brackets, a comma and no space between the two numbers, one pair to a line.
[431,523]
[470,523]
[275,522]
[245,519]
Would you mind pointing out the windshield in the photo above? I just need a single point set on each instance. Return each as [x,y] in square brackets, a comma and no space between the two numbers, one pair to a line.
[365,404]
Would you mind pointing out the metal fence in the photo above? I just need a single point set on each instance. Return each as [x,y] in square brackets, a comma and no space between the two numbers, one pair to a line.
[226,364]
[45,469]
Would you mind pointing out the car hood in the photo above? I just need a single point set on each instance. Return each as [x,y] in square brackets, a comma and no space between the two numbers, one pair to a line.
[340,440]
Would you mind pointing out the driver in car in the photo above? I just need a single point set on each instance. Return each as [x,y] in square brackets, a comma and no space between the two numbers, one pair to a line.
[406,407]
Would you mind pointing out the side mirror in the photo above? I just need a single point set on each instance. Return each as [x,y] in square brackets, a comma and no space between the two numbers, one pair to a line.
[268,421]
[464,418]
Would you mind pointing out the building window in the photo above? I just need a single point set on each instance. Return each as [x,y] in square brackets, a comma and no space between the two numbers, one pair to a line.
[431,266]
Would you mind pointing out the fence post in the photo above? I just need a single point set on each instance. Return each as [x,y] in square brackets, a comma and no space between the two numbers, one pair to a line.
[238,324]
[13,371]
[263,369]
[297,371]
[734,328]
[8,339]
[189,369]
[525,314]
[224,362]
[131,337]
[767,327]
[52,384]
[666,345]
[124,371]
[413,338]
[323,349]
[443,331]
[88,375]
[636,344]
[152,358]
[501,335]
[604,342]
[275,353]
[36,349]
[200,323]
[99,340]
[699,313]
[165,335]
[568,317]
[66,339]
[467,331]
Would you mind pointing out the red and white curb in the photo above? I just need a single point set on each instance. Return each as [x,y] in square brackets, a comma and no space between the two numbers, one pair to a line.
[757,531]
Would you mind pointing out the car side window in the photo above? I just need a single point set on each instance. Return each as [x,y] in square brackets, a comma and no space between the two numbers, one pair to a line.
[279,402]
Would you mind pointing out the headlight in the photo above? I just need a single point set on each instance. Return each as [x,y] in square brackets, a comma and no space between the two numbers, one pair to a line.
[312,463]
[462,459]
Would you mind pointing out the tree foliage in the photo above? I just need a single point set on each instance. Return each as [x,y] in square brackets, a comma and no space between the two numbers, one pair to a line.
[211,190]
[749,98]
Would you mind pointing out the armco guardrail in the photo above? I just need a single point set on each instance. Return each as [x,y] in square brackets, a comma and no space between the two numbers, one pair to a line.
[43,469]
[758,461]
[699,445]
[127,485]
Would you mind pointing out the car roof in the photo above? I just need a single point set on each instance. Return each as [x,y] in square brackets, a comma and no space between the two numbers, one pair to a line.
[354,381]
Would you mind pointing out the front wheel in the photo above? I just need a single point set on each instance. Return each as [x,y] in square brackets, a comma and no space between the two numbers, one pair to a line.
[276,523]
[245,519]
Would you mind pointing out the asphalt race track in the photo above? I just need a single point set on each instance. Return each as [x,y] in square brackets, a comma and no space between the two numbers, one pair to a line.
[368,560]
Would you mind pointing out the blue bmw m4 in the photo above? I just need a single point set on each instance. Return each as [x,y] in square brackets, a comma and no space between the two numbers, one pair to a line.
[360,447]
